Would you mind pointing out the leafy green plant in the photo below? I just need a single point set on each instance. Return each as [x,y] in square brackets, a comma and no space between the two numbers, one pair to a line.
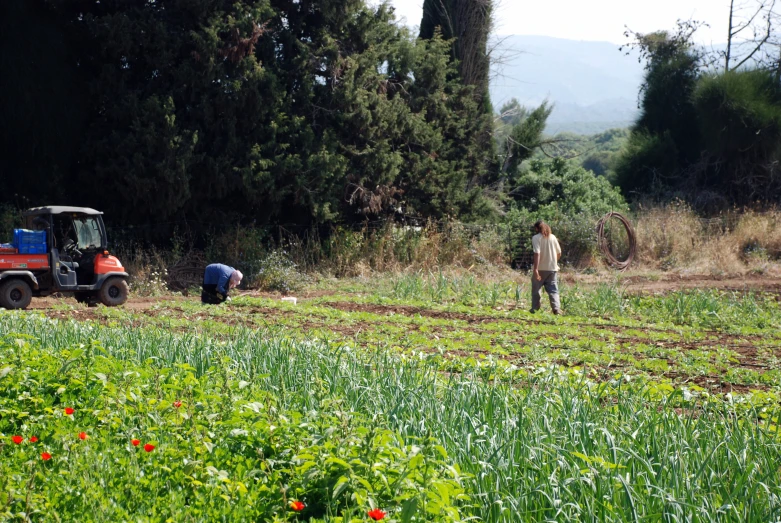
[86,436]
[277,272]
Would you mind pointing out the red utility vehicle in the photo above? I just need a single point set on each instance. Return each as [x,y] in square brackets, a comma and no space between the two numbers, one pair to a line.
[76,261]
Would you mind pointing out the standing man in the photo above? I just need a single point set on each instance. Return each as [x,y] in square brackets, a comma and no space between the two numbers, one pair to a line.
[547,253]
[218,280]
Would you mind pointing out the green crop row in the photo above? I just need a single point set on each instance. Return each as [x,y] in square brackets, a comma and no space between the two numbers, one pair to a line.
[545,444]
[682,354]
[705,308]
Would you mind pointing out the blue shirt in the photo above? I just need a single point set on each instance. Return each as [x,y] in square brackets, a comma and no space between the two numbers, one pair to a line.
[218,274]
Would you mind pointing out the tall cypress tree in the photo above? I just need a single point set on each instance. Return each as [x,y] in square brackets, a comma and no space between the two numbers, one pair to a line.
[467,24]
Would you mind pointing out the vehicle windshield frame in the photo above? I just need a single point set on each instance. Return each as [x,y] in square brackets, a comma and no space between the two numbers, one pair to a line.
[89,232]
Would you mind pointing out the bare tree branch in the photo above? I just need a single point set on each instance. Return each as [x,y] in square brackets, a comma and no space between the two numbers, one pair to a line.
[729,34]
[751,20]
[764,40]
[760,38]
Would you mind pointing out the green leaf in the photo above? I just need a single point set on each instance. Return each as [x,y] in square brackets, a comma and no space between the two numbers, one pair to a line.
[338,461]
[341,484]
[408,510]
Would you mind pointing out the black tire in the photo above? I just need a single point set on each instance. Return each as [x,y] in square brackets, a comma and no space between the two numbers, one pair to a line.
[114,292]
[15,294]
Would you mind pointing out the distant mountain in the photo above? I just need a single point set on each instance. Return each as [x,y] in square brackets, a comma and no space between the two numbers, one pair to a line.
[593,85]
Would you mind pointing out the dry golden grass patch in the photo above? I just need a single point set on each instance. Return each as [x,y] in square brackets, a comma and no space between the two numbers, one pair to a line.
[674,238]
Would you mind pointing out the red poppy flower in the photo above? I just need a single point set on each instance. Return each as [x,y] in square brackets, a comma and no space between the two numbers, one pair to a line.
[69,411]
[17,439]
[149,447]
[177,404]
[46,456]
[376,514]
[82,435]
[298,506]
[135,442]
[33,439]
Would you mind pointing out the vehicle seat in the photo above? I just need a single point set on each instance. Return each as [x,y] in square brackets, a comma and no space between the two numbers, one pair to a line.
[72,265]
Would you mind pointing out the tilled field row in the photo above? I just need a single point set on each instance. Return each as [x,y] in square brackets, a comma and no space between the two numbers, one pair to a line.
[710,359]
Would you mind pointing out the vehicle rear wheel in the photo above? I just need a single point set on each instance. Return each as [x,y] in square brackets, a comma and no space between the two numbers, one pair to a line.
[15,294]
[114,292]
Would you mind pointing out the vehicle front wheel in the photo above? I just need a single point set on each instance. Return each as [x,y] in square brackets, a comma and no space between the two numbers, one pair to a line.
[15,294]
[114,292]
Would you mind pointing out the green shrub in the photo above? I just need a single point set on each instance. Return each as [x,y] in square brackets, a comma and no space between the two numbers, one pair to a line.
[277,272]
[570,199]
[557,187]
[712,138]
[648,161]
[740,115]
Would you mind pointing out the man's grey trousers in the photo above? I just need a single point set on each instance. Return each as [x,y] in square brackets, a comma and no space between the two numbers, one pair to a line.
[551,284]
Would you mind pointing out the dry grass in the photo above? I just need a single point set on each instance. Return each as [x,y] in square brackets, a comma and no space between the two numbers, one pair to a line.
[396,249]
[147,268]
[670,240]
[674,238]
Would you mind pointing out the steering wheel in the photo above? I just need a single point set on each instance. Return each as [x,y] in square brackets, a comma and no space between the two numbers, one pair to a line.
[70,247]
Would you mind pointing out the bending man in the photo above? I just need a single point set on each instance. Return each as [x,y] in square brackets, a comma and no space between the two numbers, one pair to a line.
[218,280]
[547,253]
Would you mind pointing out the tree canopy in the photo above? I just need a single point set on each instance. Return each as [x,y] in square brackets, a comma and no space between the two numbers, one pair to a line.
[261,111]
[711,137]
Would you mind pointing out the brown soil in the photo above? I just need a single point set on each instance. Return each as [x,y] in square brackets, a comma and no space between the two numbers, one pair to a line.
[133,303]
[675,283]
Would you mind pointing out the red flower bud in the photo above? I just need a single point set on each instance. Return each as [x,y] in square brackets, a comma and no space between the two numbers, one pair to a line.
[46,456]
[69,411]
[33,439]
[17,439]
[82,435]
[298,506]
[177,404]
[149,447]
[376,514]
[135,442]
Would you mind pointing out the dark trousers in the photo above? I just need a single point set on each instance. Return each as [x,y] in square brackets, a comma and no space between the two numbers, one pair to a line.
[211,296]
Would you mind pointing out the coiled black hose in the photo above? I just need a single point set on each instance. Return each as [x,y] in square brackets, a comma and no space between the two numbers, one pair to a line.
[604,244]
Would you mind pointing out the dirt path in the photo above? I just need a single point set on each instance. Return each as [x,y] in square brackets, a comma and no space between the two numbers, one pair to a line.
[633,284]
[134,303]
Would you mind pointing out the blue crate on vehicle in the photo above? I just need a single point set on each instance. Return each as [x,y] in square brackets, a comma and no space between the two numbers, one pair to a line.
[24,236]
[30,242]
[32,248]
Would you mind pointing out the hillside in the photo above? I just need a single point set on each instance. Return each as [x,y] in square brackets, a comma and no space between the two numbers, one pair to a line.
[593,85]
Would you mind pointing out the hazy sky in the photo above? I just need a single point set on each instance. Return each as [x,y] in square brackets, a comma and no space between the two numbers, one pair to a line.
[601,20]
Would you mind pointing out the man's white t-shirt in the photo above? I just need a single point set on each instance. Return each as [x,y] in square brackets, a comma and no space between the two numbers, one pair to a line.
[549,251]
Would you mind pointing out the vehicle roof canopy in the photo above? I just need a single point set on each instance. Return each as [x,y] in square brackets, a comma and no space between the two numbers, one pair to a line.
[60,209]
